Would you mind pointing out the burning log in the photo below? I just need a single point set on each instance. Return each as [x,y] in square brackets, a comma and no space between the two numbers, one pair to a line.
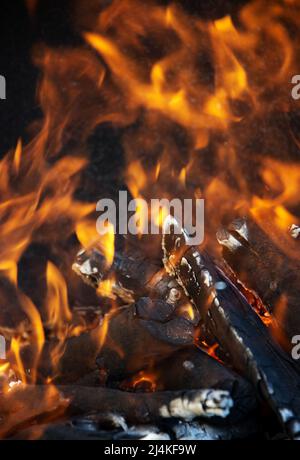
[191,368]
[134,407]
[229,318]
[127,340]
[267,270]
[132,269]
[24,405]
[187,368]
[154,345]
[85,428]
[211,432]
[133,275]
[114,428]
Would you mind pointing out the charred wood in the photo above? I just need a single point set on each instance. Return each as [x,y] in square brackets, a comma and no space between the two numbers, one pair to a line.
[133,275]
[126,341]
[263,267]
[228,317]
[94,428]
[191,368]
[26,405]
[84,429]
[132,268]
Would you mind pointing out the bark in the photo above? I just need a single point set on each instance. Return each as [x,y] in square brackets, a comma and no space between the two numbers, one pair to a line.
[263,267]
[25,406]
[228,317]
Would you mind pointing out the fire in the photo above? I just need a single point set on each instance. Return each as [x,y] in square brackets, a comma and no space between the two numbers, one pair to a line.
[88,236]
[103,331]
[188,310]
[280,310]
[17,156]
[136,178]
[105,288]
[57,300]
[145,381]
[16,352]
[200,107]
[210,349]
[173,89]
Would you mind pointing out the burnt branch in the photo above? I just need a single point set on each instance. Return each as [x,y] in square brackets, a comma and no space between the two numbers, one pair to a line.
[134,407]
[126,341]
[228,317]
[133,275]
[264,268]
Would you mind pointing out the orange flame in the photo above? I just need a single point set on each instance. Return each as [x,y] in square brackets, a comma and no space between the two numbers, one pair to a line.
[196,101]
[57,299]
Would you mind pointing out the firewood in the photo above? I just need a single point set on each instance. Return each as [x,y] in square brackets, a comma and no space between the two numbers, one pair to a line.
[146,340]
[227,316]
[133,269]
[23,405]
[147,407]
[133,275]
[134,407]
[84,429]
[113,427]
[137,335]
[264,268]
[189,368]
[103,427]
[192,368]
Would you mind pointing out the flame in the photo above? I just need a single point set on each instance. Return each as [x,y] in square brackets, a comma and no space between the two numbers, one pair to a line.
[188,310]
[57,299]
[160,216]
[88,236]
[203,110]
[182,176]
[17,156]
[279,313]
[105,288]
[100,333]
[4,367]
[15,349]
[104,330]
[273,212]
[210,349]
[136,178]
[143,381]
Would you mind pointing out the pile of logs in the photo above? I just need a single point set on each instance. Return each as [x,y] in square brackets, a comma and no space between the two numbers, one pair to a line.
[144,369]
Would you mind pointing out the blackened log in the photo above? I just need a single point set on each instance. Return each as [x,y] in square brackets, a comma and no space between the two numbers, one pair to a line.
[133,275]
[84,429]
[228,316]
[137,336]
[148,407]
[135,340]
[91,428]
[191,368]
[23,406]
[246,429]
[132,268]
[264,268]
